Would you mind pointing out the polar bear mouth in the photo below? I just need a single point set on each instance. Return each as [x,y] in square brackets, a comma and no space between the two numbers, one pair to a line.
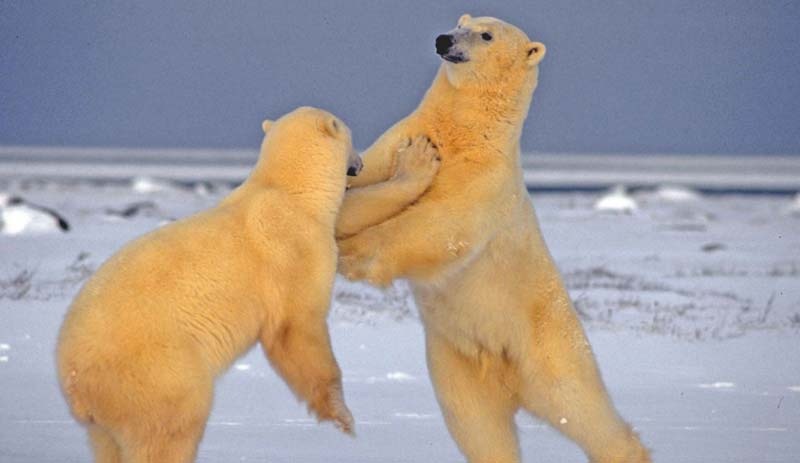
[455,58]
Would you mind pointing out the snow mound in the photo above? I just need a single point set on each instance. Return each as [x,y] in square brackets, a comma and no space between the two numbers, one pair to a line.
[717,385]
[131,210]
[616,200]
[18,217]
[203,189]
[399,376]
[394,376]
[794,206]
[676,193]
[146,185]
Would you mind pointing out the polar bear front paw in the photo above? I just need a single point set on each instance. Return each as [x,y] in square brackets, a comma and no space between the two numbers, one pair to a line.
[330,406]
[418,162]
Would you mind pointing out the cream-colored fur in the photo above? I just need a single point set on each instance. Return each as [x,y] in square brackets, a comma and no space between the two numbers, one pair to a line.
[412,166]
[148,334]
[501,331]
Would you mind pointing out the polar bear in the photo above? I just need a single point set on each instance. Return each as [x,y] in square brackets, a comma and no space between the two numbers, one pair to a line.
[147,335]
[412,166]
[501,332]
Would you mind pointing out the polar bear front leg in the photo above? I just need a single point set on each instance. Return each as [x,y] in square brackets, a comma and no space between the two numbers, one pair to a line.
[301,352]
[477,406]
[417,163]
[379,158]
[418,243]
[414,244]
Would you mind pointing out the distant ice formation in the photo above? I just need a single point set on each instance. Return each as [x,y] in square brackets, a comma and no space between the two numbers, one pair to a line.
[717,385]
[676,193]
[18,216]
[794,206]
[144,184]
[145,208]
[616,200]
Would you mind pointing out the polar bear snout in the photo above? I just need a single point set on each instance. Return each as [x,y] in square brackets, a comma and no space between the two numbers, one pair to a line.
[354,164]
[447,49]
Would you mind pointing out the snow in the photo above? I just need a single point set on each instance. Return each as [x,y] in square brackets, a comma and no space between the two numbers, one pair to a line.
[146,185]
[17,217]
[400,376]
[717,385]
[616,200]
[397,376]
[794,206]
[676,193]
[692,308]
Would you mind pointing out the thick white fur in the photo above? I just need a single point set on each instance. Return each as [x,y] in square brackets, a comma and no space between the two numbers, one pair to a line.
[501,331]
[148,334]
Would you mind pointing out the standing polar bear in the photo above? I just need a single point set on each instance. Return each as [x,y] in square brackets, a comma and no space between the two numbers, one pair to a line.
[146,337]
[500,329]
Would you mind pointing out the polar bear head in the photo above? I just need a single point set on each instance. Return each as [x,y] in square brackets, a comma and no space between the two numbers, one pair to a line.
[487,49]
[307,139]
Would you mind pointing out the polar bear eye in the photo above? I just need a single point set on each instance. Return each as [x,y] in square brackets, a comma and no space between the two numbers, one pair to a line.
[486,36]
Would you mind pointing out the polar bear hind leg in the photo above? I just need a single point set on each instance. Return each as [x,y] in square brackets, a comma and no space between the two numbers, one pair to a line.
[169,427]
[175,447]
[478,405]
[561,384]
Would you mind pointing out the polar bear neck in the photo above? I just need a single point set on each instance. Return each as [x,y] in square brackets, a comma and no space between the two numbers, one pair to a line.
[477,114]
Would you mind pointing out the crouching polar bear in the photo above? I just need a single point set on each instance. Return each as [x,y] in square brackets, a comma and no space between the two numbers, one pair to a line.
[500,329]
[147,335]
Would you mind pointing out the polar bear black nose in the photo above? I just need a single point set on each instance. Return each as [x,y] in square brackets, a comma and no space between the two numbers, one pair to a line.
[354,166]
[443,44]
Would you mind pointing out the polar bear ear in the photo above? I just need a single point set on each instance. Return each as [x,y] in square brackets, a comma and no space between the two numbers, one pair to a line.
[536,51]
[463,20]
[266,125]
[331,126]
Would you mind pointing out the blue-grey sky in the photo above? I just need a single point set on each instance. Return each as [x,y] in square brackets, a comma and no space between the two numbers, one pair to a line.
[680,76]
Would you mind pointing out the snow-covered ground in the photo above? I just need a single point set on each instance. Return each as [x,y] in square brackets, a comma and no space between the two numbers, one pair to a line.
[692,304]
